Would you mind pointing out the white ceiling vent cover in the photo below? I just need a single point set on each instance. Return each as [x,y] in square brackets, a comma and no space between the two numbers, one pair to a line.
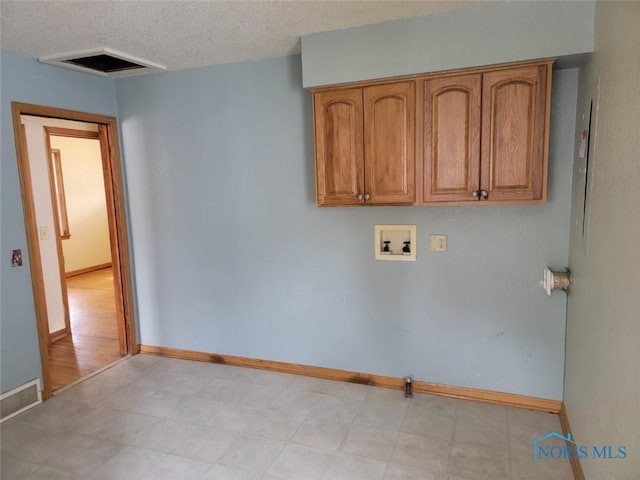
[104,62]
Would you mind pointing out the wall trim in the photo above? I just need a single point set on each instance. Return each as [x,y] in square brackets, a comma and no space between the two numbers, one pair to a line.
[57,335]
[487,396]
[82,271]
[576,466]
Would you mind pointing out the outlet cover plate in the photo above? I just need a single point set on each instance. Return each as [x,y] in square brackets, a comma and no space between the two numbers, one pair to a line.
[438,243]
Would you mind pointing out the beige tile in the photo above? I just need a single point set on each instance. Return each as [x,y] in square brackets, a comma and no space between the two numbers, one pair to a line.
[171,382]
[321,434]
[178,468]
[120,375]
[421,452]
[221,472]
[347,467]
[83,454]
[165,435]
[396,395]
[296,402]
[92,394]
[434,404]
[297,461]
[476,430]
[45,447]
[235,418]
[479,462]
[130,462]
[254,395]
[399,472]
[369,442]
[17,433]
[179,365]
[16,468]
[253,454]
[526,468]
[310,384]
[146,361]
[428,423]
[384,414]
[276,425]
[521,438]
[544,420]
[113,425]
[239,374]
[197,410]
[353,391]
[206,444]
[274,379]
[48,473]
[487,411]
[335,409]
[144,401]
[220,390]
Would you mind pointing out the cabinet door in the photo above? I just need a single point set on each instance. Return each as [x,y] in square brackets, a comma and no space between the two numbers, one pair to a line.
[389,144]
[515,133]
[339,151]
[451,138]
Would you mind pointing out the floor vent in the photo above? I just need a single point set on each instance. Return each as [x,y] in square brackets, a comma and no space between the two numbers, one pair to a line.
[104,62]
[20,399]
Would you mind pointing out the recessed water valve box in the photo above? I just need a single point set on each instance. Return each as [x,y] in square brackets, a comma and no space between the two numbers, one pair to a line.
[395,242]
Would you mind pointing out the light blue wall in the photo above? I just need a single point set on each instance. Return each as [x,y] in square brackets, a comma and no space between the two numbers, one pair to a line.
[23,79]
[487,34]
[232,256]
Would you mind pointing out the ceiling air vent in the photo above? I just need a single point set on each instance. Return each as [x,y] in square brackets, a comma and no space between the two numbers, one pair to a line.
[104,62]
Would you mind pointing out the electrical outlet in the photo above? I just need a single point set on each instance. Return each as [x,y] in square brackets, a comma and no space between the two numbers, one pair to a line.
[438,243]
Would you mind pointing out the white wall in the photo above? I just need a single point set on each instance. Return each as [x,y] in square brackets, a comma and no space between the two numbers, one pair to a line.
[38,165]
[81,161]
[602,382]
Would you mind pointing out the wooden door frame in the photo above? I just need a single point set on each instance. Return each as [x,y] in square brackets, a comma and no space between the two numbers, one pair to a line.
[114,189]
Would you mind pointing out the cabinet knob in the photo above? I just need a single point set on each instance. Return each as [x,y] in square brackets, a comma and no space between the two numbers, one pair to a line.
[367,196]
[476,193]
[359,196]
[484,194]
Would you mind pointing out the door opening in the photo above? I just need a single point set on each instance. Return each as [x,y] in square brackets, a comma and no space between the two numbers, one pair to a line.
[85,319]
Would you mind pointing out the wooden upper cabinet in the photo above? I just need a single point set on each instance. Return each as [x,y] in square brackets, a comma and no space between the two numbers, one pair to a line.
[482,138]
[451,138]
[389,143]
[515,120]
[339,149]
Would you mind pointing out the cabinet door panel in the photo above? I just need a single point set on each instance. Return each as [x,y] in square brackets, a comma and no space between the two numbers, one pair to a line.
[514,114]
[389,125]
[451,138]
[339,150]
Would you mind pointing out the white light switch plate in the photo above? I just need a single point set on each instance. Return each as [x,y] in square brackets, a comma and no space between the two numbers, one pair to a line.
[438,243]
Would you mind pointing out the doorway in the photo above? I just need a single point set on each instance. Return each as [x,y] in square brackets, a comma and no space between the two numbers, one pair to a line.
[84,306]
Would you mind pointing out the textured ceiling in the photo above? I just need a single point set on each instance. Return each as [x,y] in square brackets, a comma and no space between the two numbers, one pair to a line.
[185,34]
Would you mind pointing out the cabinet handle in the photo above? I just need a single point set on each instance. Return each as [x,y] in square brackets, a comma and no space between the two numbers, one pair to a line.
[476,193]
[359,196]
[366,197]
[484,194]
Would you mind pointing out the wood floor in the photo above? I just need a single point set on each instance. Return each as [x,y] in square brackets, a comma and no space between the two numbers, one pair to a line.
[94,340]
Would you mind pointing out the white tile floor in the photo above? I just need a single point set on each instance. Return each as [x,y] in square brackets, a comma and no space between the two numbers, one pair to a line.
[158,418]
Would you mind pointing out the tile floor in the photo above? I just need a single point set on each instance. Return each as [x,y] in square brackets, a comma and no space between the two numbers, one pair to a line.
[158,418]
